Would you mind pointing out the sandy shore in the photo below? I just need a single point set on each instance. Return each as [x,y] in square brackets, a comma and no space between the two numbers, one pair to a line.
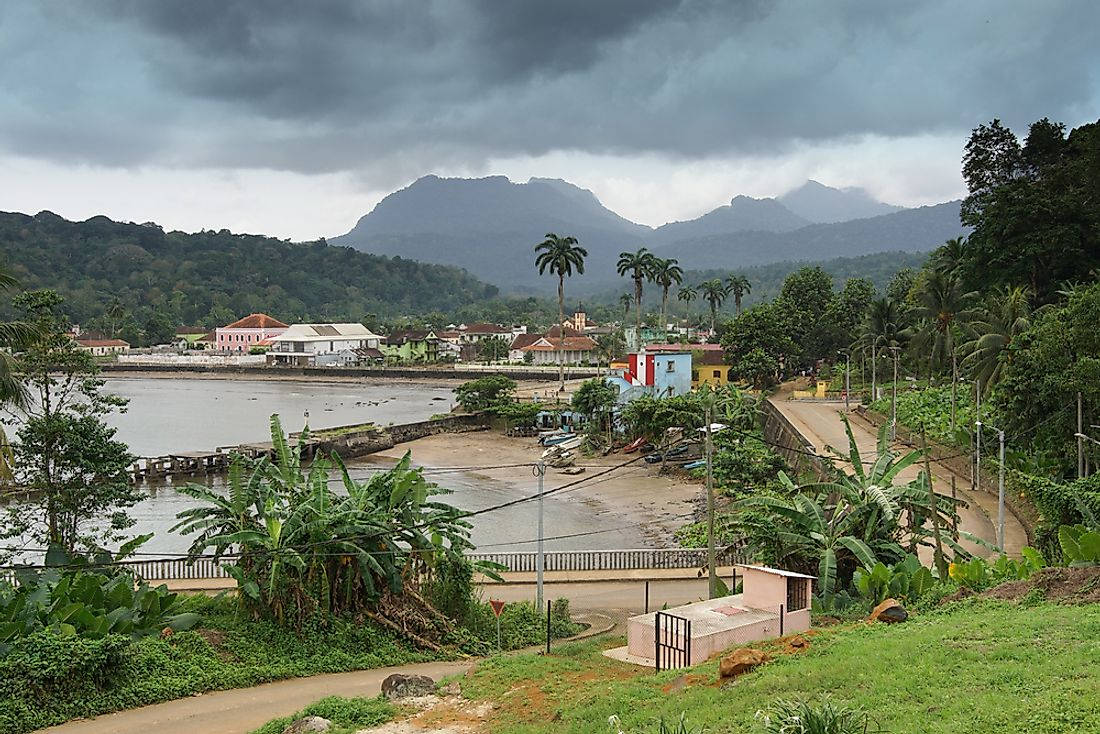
[634,494]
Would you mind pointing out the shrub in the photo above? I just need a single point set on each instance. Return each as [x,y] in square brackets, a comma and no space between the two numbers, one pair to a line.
[802,717]
[484,392]
[344,713]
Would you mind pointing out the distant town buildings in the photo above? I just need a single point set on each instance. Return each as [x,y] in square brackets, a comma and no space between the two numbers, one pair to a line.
[243,334]
[331,345]
[103,347]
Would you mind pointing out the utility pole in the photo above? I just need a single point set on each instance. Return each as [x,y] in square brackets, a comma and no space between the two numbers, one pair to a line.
[1080,440]
[540,469]
[976,484]
[712,572]
[894,400]
[847,378]
[1000,486]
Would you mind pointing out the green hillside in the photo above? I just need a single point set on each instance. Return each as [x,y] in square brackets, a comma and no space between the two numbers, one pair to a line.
[166,279]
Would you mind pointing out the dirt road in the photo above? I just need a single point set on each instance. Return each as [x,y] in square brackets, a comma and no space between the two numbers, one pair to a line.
[244,709]
[820,423]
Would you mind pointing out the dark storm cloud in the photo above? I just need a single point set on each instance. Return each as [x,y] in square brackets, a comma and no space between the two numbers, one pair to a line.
[395,87]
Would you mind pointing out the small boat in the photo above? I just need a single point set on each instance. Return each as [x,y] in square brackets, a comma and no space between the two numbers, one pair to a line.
[635,445]
[653,459]
[694,464]
[555,440]
[559,448]
[572,470]
[565,459]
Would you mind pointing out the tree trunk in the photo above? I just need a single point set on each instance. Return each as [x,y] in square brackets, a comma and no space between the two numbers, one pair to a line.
[664,313]
[561,331]
[954,386]
[737,302]
[638,310]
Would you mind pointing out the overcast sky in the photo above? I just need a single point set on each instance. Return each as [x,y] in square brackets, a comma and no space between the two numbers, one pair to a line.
[293,118]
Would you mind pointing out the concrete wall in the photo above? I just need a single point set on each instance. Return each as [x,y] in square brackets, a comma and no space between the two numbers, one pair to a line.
[789,443]
[380,438]
[469,372]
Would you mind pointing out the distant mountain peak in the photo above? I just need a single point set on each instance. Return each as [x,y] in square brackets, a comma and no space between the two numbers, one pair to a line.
[822,204]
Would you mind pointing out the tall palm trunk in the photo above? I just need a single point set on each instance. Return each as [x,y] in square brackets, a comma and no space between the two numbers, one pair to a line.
[561,333]
[713,316]
[737,302]
[664,312]
[874,374]
[638,310]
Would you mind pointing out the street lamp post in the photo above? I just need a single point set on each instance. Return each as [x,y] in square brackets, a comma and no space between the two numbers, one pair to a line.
[894,400]
[847,378]
[1000,485]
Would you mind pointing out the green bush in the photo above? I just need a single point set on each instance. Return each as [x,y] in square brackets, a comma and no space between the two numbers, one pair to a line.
[803,717]
[346,714]
[86,604]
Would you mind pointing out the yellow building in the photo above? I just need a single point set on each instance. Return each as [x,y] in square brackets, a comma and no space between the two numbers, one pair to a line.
[709,368]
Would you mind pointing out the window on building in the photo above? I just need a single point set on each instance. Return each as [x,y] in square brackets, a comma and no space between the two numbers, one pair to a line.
[718,374]
[671,367]
[797,596]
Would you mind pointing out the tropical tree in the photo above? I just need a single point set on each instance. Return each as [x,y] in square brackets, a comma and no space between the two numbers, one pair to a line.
[943,308]
[297,547]
[1006,316]
[883,329]
[950,257]
[14,335]
[714,292]
[561,256]
[665,273]
[626,301]
[639,267]
[739,286]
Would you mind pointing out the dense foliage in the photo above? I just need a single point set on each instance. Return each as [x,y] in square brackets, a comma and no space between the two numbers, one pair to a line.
[304,550]
[347,715]
[164,279]
[64,454]
[485,393]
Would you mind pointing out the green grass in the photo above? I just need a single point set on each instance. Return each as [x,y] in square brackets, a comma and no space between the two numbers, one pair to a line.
[346,714]
[973,667]
[52,680]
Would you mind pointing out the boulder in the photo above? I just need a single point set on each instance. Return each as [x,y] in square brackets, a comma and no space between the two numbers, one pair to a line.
[400,685]
[308,725]
[889,611]
[798,642]
[741,661]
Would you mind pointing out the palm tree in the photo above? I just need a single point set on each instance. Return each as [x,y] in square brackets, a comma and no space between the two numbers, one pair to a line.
[714,292]
[943,306]
[626,301]
[948,258]
[665,273]
[639,266]
[1005,317]
[882,330]
[561,256]
[13,336]
[739,286]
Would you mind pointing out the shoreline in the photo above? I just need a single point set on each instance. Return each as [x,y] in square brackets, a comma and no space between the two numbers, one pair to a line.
[635,498]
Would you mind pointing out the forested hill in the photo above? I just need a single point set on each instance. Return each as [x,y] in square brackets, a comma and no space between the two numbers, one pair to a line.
[210,278]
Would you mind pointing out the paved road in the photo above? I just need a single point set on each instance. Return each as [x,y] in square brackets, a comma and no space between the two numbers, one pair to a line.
[820,424]
[244,709]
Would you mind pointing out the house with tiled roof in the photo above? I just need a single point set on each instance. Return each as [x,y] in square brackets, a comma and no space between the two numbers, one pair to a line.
[473,333]
[569,349]
[243,334]
[411,345]
[102,347]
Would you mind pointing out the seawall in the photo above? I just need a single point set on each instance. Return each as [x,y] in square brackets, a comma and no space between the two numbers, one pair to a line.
[379,438]
[364,373]
[795,449]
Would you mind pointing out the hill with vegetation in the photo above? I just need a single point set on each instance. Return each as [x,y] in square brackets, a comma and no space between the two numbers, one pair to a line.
[156,280]
[910,230]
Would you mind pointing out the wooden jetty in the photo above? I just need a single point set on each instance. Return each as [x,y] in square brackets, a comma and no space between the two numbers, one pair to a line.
[193,463]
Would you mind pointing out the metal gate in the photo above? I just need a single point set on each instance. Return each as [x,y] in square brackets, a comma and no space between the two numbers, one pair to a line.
[671,641]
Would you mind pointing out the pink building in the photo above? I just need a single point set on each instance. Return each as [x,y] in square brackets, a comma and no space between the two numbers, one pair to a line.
[242,335]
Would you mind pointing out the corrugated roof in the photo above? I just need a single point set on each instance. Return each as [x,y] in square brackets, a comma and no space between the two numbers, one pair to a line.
[776,571]
[102,343]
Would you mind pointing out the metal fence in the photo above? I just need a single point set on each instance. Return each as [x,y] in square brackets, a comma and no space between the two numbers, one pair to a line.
[516,561]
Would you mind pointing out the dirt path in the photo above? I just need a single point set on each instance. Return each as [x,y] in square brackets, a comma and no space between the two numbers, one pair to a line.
[820,424]
[244,709]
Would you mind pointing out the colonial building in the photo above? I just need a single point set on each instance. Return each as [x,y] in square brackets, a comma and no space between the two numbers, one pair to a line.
[242,335]
[324,345]
[103,347]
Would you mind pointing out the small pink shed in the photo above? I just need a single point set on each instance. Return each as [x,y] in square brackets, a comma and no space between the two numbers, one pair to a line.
[774,602]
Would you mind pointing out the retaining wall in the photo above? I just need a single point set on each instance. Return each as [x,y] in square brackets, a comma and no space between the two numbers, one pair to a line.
[366,373]
[380,438]
[789,443]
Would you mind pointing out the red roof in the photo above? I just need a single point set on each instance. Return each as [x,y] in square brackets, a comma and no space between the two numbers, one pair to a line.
[102,343]
[257,321]
[525,340]
[555,331]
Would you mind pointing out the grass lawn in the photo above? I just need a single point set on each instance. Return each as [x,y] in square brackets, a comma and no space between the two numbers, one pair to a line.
[971,667]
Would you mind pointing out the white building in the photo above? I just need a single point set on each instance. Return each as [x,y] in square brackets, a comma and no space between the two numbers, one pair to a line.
[304,345]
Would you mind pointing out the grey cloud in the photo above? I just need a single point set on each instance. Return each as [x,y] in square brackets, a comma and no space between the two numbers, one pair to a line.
[390,88]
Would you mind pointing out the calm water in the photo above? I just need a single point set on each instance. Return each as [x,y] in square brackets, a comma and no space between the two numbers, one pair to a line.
[167,415]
